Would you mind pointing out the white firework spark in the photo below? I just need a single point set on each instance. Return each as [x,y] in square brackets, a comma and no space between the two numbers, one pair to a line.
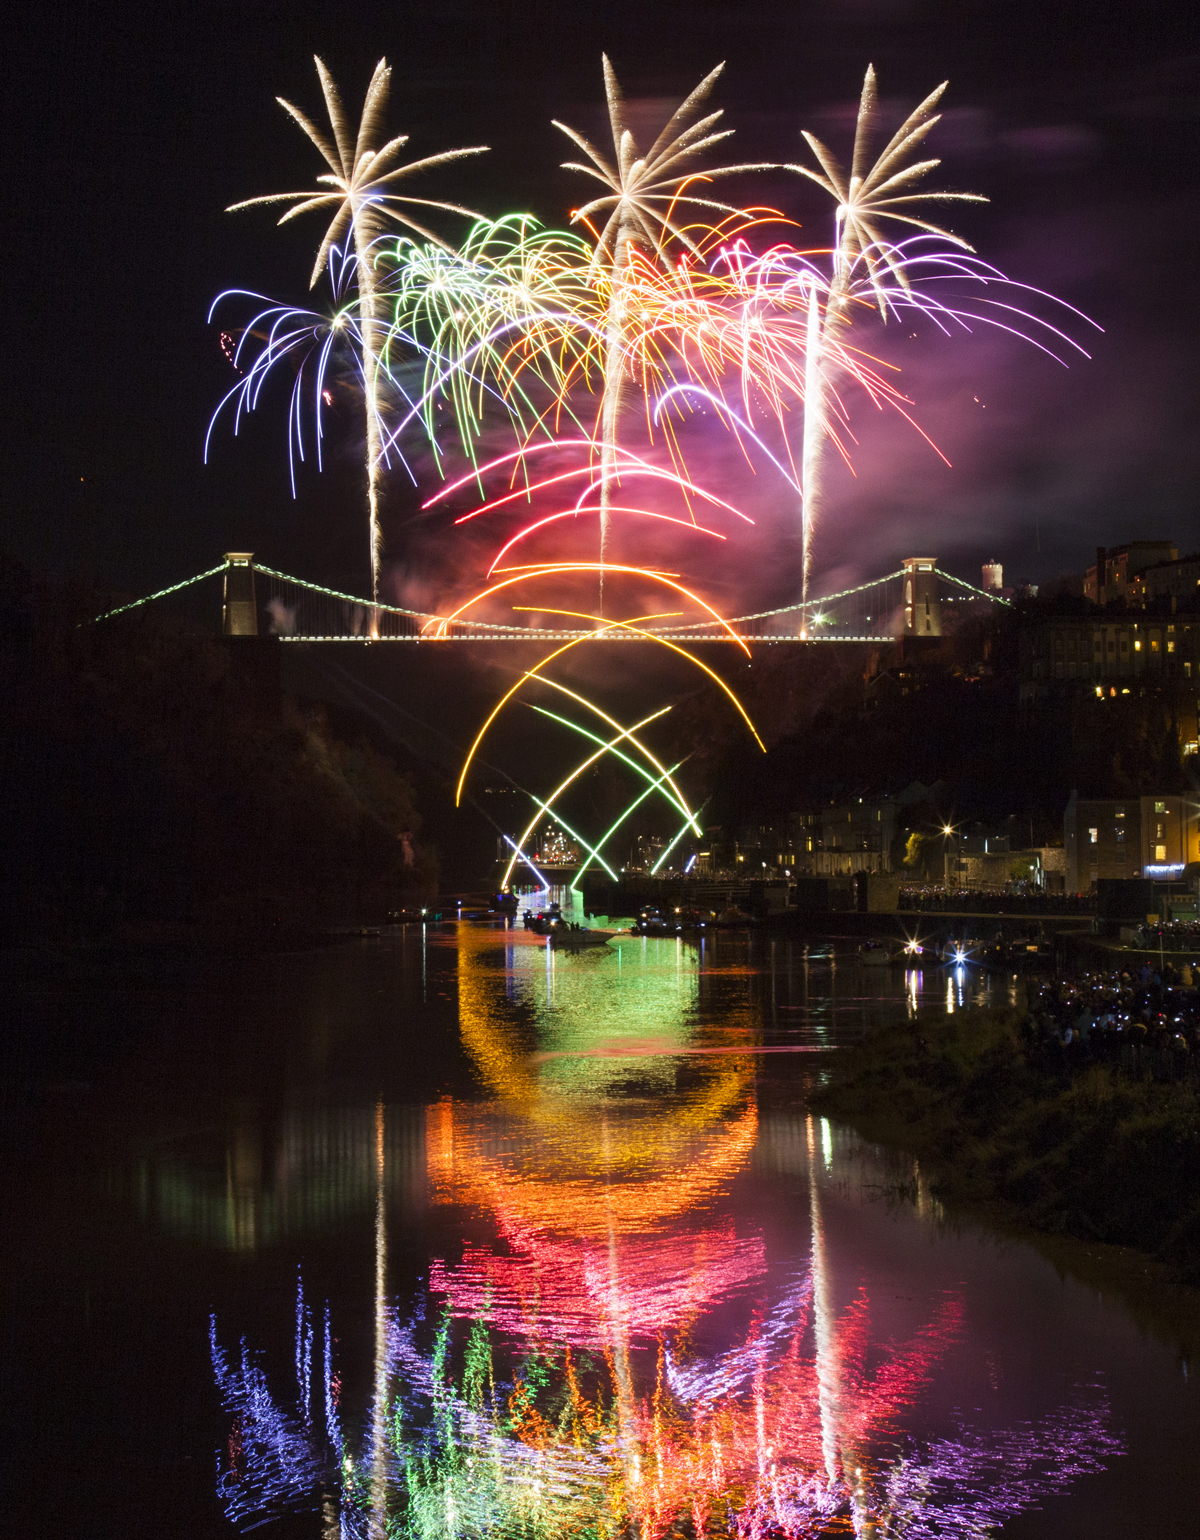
[360,192]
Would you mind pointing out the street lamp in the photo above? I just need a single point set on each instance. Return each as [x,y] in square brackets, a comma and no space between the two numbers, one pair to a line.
[947,833]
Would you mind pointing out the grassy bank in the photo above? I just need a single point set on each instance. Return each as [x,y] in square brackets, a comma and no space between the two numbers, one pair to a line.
[1099,1157]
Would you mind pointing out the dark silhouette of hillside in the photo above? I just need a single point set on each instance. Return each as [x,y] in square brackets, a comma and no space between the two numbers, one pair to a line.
[154,773]
[952,714]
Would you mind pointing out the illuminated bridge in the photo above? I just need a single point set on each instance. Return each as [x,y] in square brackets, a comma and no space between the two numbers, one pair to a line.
[257,599]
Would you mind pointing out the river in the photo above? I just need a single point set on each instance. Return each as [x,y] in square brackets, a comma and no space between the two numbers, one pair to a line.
[438,1233]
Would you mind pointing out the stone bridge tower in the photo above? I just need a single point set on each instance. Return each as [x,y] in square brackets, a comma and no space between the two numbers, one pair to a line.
[922,609]
[239,612]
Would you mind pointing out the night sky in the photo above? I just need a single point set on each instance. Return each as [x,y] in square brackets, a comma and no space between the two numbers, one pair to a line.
[129,129]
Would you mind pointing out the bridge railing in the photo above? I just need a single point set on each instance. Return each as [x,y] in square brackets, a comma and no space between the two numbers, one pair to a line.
[296,609]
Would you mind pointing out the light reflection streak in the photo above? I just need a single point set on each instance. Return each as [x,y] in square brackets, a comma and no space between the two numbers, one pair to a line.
[795,1431]
[615,1351]
[379,1400]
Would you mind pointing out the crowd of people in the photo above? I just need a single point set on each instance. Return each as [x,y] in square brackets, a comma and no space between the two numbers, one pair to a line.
[1170,936]
[938,899]
[1143,1020]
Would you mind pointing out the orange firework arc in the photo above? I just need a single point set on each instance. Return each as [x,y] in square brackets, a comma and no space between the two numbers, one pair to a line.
[551,569]
[642,1139]
[545,809]
[496,710]
[653,636]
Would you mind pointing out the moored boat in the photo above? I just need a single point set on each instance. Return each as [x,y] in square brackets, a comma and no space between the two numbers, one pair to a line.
[563,939]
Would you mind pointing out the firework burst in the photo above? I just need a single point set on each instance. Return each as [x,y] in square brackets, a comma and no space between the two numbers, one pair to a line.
[641,203]
[508,319]
[868,195]
[360,192]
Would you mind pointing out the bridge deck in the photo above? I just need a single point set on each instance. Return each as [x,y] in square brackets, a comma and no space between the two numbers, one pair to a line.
[590,636]
[301,611]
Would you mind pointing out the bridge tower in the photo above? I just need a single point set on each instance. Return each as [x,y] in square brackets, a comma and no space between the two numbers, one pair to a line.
[239,612]
[922,609]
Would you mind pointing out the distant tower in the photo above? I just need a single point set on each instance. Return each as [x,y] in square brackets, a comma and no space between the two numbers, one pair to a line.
[993,577]
[239,612]
[922,611]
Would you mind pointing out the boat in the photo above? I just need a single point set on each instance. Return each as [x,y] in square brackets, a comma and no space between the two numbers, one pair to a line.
[672,922]
[564,940]
[913,954]
[878,954]
[544,921]
[957,952]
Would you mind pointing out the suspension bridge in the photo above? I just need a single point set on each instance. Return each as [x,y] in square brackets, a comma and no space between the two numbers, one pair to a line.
[259,600]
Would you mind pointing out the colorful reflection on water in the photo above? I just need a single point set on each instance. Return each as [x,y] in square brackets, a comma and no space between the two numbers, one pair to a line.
[655,1307]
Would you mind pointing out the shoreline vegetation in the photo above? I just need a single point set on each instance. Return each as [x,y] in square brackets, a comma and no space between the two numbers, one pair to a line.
[1092,1154]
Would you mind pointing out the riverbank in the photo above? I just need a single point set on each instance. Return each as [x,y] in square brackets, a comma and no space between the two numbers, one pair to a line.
[1097,1156]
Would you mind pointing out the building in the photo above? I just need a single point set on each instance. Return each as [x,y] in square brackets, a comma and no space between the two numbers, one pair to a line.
[843,838]
[1177,582]
[993,869]
[922,609]
[1136,837]
[1064,654]
[755,848]
[993,577]
[647,849]
[1112,575]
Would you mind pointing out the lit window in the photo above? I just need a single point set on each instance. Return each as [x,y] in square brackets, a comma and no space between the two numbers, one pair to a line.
[1187,670]
[1170,644]
[1120,834]
[1093,836]
[1137,646]
[1160,807]
[1159,831]
[1160,852]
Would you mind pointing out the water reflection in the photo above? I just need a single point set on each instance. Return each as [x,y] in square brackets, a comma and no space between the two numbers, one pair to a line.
[791,1430]
[537,1022]
[641,1318]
